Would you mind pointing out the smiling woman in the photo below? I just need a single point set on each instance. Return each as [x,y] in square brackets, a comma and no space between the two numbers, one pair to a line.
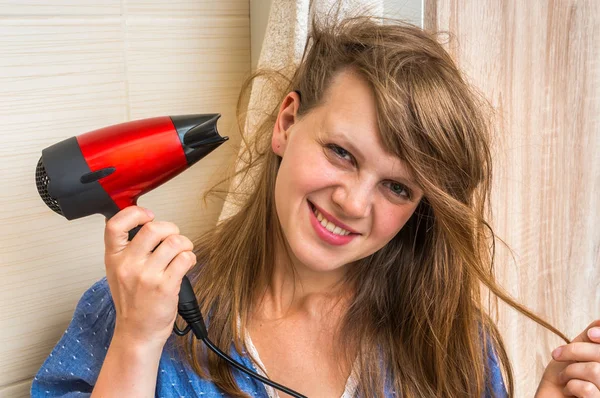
[354,265]
[364,239]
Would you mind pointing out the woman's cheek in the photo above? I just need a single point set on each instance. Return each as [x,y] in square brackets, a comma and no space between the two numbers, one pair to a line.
[391,220]
[320,170]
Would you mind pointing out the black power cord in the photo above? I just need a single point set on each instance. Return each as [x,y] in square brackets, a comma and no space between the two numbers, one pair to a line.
[190,311]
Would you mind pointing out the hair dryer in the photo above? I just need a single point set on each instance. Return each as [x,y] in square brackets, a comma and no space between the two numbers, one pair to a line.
[106,170]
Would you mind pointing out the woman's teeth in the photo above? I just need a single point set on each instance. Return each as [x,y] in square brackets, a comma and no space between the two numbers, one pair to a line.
[331,227]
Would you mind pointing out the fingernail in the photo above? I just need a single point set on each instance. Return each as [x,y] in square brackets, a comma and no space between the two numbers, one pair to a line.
[594,333]
[556,353]
[149,212]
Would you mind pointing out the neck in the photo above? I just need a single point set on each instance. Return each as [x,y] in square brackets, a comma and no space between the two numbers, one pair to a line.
[296,289]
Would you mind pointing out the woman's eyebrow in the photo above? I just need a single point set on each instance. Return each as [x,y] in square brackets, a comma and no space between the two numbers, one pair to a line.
[348,145]
[405,178]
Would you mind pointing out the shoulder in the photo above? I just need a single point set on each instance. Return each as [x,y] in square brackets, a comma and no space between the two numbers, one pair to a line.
[97,299]
[94,317]
[74,363]
[496,388]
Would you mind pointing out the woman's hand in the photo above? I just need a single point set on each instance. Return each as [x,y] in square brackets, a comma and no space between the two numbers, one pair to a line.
[575,369]
[145,279]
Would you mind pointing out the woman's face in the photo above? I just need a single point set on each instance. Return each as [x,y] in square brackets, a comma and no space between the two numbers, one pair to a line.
[340,196]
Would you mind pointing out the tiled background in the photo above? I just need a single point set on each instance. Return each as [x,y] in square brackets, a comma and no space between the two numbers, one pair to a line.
[71,66]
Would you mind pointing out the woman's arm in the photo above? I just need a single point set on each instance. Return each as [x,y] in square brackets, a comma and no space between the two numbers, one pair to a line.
[129,369]
[144,277]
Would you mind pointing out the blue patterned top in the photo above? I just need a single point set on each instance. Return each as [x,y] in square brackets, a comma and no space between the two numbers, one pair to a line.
[73,366]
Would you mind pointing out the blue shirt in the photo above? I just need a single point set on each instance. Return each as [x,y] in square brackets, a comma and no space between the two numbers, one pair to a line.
[73,366]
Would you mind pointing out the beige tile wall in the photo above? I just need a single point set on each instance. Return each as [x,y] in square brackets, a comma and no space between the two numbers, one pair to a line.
[71,66]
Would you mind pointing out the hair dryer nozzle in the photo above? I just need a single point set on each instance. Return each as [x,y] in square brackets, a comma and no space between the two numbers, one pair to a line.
[198,135]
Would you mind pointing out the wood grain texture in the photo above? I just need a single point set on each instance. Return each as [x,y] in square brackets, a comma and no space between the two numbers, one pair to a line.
[68,67]
[538,62]
[16,390]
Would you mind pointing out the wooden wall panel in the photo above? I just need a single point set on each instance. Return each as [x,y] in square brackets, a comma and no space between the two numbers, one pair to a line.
[68,67]
[19,389]
[538,62]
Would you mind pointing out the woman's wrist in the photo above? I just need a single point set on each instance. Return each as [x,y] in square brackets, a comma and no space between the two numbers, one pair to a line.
[130,367]
[138,341]
[137,346]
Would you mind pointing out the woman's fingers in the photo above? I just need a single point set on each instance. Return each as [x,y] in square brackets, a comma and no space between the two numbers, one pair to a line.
[150,236]
[180,265]
[581,389]
[581,378]
[118,227]
[585,371]
[580,352]
[165,253]
[585,335]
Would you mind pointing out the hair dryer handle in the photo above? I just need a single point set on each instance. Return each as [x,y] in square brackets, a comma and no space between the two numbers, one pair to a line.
[134,232]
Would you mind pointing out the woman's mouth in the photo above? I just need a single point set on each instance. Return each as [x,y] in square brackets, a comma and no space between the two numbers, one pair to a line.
[328,230]
[328,225]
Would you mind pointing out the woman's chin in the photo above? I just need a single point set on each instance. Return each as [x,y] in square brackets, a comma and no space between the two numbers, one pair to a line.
[320,264]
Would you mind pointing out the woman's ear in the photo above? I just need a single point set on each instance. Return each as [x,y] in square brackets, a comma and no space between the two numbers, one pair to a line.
[288,113]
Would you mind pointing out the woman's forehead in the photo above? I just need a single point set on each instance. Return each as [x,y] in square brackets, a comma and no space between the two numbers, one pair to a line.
[348,90]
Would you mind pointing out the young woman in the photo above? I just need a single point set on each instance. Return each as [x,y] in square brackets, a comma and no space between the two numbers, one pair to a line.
[354,265]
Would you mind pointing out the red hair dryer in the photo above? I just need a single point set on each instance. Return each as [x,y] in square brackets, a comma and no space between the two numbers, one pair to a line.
[106,170]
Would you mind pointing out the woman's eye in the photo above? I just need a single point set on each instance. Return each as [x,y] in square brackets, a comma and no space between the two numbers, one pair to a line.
[341,152]
[399,189]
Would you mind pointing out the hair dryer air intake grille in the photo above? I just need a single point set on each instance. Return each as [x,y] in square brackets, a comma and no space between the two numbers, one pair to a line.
[41,181]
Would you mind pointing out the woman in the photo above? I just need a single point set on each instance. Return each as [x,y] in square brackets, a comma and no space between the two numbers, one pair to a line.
[354,265]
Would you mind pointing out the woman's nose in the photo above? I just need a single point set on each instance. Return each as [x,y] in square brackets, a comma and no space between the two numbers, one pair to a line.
[353,198]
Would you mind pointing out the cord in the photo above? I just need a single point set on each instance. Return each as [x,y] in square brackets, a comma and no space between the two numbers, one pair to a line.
[249,372]
[190,311]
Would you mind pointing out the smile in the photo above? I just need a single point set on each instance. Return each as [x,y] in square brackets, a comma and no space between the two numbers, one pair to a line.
[328,225]
[327,230]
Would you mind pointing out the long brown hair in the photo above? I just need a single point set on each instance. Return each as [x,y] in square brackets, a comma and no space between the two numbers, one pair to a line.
[418,311]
